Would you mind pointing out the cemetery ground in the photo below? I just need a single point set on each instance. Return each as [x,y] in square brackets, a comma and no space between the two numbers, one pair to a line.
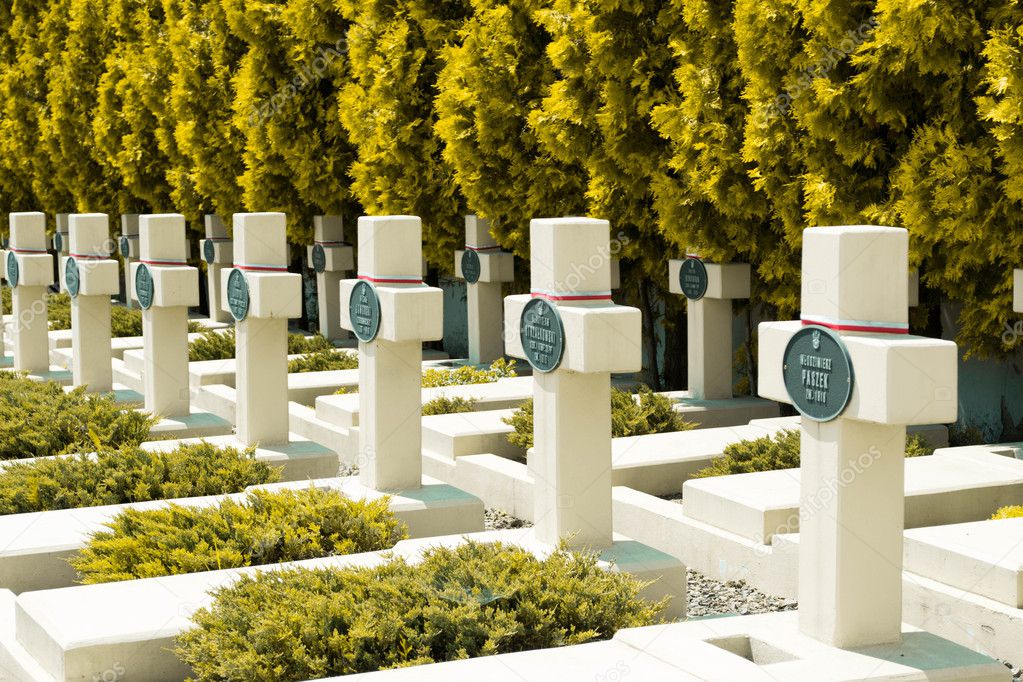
[231,498]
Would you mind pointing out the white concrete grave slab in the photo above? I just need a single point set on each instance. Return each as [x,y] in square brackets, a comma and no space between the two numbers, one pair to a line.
[484,267]
[91,278]
[331,258]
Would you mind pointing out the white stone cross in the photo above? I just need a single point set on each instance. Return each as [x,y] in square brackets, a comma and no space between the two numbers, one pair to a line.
[859,379]
[331,258]
[484,267]
[165,287]
[29,270]
[570,316]
[91,278]
[218,252]
[61,243]
[128,247]
[710,289]
[391,312]
[261,296]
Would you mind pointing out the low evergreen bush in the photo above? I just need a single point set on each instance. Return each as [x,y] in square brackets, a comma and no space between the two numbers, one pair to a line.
[1008,513]
[645,413]
[124,322]
[40,419]
[324,360]
[468,374]
[469,601]
[129,474]
[267,527]
[778,452]
[446,405]
[220,345]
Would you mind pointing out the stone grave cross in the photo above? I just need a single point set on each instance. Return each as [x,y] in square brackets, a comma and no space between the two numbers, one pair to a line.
[574,337]
[29,269]
[165,287]
[91,278]
[128,247]
[261,296]
[484,267]
[218,253]
[709,289]
[859,379]
[61,242]
[391,311]
[330,258]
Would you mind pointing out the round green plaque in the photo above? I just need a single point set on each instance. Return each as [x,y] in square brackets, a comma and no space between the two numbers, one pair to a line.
[471,266]
[209,251]
[13,271]
[319,259]
[58,242]
[72,278]
[238,295]
[818,373]
[125,247]
[364,310]
[542,335]
[144,286]
[692,278]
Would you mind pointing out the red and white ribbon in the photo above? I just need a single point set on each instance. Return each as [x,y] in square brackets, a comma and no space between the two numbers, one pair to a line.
[27,251]
[392,279]
[169,263]
[855,325]
[88,256]
[261,268]
[470,247]
[574,296]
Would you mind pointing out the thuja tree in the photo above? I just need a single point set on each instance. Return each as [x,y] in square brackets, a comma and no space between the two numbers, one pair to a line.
[493,79]
[388,110]
[131,98]
[204,56]
[15,181]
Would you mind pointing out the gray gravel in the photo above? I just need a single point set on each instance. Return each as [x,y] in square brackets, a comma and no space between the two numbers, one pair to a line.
[347,470]
[495,519]
[711,597]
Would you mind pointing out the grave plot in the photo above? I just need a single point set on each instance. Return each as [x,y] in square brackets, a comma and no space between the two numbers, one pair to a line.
[484,267]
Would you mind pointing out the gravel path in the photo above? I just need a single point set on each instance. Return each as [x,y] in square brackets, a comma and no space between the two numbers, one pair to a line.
[707,597]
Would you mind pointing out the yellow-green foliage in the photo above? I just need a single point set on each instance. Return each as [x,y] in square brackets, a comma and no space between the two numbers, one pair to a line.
[467,374]
[325,360]
[219,344]
[1008,513]
[473,600]
[124,322]
[129,474]
[264,528]
[778,452]
[40,418]
[631,415]
[445,405]
[387,108]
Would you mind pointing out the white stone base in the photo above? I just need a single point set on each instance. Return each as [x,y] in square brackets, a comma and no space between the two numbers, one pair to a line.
[198,424]
[302,459]
[711,414]
[763,648]
[75,633]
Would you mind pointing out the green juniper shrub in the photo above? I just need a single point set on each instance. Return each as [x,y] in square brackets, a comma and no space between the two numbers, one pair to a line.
[778,452]
[445,405]
[646,412]
[1008,513]
[324,360]
[40,419]
[468,374]
[266,527]
[472,600]
[124,322]
[220,344]
[129,474]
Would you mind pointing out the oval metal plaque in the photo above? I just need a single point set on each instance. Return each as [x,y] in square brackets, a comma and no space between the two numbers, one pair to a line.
[144,286]
[238,295]
[209,251]
[319,259]
[364,310]
[818,373]
[72,277]
[13,270]
[125,245]
[471,266]
[692,279]
[542,334]
[58,242]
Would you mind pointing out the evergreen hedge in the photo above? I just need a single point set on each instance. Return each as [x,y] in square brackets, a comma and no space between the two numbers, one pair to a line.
[473,600]
[687,123]
[267,527]
[129,474]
